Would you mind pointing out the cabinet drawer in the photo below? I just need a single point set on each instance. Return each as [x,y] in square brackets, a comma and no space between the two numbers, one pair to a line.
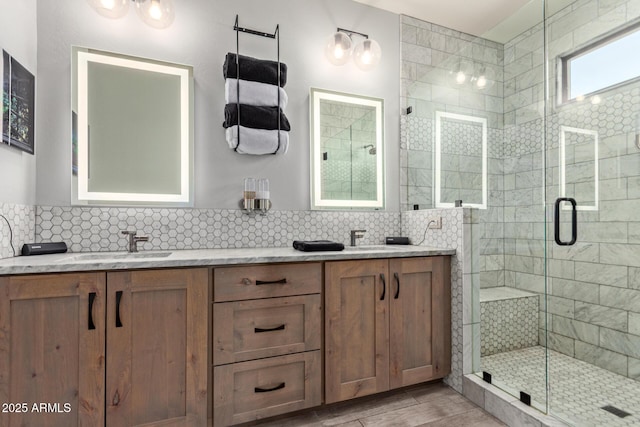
[266,281]
[255,329]
[262,388]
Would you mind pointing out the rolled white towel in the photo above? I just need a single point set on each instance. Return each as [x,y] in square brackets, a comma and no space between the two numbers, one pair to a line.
[254,93]
[257,141]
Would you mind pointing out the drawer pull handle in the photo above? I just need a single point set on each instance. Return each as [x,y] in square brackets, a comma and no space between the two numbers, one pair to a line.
[395,276]
[92,297]
[118,299]
[271,282]
[267,390]
[277,328]
[384,287]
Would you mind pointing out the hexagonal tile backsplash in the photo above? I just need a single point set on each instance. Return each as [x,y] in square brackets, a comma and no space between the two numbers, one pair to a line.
[22,221]
[98,229]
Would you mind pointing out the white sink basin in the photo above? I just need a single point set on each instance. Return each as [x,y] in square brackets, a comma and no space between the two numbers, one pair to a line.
[374,248]
[118,255]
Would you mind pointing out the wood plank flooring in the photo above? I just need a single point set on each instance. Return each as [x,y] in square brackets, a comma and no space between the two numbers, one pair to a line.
[432,405]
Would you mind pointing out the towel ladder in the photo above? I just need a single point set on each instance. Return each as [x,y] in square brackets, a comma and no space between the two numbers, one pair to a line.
[276,36]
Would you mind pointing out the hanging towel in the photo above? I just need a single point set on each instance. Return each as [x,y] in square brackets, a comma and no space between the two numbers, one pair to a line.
[254,93]
[255,117]
[257,141]
[255,70]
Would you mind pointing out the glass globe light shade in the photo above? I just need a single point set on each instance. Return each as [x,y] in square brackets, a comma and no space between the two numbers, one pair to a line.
[367,54]
[461,74]
[338,48]
[156,13]
[486,79]
[113,9]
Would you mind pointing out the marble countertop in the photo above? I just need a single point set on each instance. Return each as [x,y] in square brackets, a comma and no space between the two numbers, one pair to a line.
[92,261]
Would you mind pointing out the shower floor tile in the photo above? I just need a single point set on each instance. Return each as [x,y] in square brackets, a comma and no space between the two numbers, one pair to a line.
[578,390]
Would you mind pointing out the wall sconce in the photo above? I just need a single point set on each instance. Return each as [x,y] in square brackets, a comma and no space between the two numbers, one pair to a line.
[366,54]
[155,13]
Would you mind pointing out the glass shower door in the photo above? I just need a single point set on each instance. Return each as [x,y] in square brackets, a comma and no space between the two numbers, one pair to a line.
[593,212]
[511,246]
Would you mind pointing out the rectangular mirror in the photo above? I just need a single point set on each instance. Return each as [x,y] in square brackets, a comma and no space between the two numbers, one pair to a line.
[579,167]
[132,135]
[347,151]
[461,160]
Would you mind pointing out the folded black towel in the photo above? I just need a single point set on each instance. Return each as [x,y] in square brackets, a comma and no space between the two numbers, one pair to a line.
[317,245]
[252,116]
[255,70]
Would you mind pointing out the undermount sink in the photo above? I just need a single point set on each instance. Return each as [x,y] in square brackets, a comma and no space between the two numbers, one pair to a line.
[126,255]
[373,248]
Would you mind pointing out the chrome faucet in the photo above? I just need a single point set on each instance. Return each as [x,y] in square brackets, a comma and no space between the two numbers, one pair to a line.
[356,234]
[133,240]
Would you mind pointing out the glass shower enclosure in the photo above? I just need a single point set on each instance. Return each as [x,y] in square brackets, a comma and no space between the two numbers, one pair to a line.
[535,126]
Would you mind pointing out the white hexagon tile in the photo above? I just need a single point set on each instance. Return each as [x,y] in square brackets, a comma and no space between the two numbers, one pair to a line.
[98,229]
[22,221]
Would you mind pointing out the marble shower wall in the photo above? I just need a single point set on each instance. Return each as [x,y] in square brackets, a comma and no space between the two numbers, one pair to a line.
[429,55]
[594,286]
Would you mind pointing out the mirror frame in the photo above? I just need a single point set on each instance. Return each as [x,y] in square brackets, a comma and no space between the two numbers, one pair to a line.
[438,159]
[317,202]
[80,186]
[564,130]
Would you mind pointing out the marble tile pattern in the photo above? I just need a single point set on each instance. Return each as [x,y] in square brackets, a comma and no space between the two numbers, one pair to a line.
[591,309]
[508,323]
[429,54]
[593,286]
[98,229]
[22,221]
[577,390]
[451,235]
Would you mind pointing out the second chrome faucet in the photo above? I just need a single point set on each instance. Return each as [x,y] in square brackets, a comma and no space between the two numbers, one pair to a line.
[134,239]
[356,234]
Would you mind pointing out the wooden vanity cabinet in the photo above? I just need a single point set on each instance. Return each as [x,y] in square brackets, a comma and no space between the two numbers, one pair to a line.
[126,348]
[52,349]
[267,336]
[157,347]
[387,324]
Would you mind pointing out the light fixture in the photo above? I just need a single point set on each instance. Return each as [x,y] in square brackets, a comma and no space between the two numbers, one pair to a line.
[474,76]
[462,74]
[155,13]
[485,78]
[366,54]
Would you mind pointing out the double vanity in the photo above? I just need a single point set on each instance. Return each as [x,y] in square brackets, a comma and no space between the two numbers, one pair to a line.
[182,337]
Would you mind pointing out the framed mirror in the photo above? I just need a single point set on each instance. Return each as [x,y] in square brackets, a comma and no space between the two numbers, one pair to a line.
[132,130]
[460,160]
[347,151]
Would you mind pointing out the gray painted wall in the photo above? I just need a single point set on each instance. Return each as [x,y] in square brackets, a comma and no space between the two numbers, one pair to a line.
[200,36]
[18,36]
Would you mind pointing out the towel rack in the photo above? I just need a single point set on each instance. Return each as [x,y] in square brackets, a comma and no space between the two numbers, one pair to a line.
[276,35]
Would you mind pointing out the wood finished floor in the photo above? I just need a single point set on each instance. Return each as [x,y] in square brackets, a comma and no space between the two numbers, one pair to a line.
[433,405]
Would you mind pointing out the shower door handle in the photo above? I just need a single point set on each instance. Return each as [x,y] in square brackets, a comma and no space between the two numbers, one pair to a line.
[574,221]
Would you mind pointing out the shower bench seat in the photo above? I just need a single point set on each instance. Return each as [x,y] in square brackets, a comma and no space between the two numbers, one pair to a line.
[508,319]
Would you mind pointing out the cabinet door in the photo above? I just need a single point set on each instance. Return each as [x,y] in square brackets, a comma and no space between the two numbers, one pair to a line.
[420,322]
[157,347]
[356,329]
[52,349]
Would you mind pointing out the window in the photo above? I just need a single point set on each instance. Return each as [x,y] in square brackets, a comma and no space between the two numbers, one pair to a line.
[607,62]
